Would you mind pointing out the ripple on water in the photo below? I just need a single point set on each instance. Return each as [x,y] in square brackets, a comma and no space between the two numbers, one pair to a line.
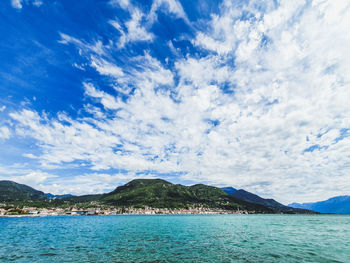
[219,238]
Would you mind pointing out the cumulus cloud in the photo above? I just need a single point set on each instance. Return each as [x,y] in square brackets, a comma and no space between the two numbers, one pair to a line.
[16,4]
[4,132]
[92,183]
[266,109]
[33,178]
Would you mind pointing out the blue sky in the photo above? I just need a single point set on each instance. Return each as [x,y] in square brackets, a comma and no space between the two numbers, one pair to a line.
[250,94]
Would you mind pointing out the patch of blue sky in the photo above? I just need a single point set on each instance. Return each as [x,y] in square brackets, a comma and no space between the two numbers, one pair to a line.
[322,132]
[315,147]
[265,41]
[118,148]
[16,148]
[345,132]
[74,168]
[227,87]
[165,119]
[264,6]
[151,157]
[33,60]
[213,123]
[169,150]
[330,69]
[201,9]
[270,103]
[299,12]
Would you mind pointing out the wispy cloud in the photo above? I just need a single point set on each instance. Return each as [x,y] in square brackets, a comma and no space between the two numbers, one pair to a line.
[139,25]
[171,6]
[135,31]
[84,47]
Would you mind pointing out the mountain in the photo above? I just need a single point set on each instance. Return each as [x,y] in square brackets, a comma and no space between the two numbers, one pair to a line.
[334,205]
[52,197]
[11,191]
[229,190]
[155,193]
[159,193]
[81,198]
[271,203]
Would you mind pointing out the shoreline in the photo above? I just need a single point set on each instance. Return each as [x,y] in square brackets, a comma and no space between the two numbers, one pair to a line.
[42,212]
[161,214]
[175,213]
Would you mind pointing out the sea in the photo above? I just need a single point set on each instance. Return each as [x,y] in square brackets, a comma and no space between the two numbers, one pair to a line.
[176,238]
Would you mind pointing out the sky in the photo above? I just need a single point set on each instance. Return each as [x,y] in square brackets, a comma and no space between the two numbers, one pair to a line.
[253,94]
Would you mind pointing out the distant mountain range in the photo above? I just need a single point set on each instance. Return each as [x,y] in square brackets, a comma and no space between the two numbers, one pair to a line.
[52,197]
[11,191]
[253,198]
[334,205]
[229,190]
[156,193]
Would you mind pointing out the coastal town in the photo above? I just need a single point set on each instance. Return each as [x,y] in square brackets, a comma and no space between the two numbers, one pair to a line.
[12,211]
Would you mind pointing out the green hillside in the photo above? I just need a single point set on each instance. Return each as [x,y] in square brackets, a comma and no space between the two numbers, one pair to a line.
[271,203]
[142,193]
[11,191]
[159,193]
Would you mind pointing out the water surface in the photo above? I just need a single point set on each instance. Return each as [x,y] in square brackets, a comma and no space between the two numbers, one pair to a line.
[176,238]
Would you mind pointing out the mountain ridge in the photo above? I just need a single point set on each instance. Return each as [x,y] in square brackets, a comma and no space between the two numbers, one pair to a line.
[271,203]
[334,205]
[163,194]
[12,191]
[156,193]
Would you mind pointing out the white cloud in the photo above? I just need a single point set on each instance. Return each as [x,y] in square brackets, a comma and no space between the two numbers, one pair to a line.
[31,178]
[16,4]
[84,47]
[172,6]
[37,3]
[30,155]
[122,3]
[106,68]
[4,133]
[108,101]
[135,31]
[92,183]
[2,108]
[137,28]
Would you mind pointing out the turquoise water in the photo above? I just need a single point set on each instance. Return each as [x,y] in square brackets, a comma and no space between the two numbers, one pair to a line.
[176,238]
